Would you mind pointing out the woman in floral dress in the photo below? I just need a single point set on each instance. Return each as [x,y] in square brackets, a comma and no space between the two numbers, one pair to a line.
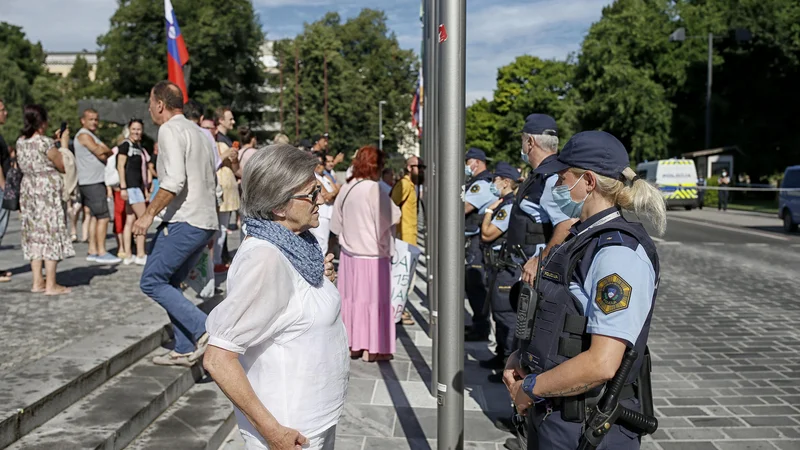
[45,237]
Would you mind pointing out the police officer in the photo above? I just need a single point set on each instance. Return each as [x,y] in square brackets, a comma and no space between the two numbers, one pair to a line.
[588,316]
[477,196]
[493,230]
[535,222]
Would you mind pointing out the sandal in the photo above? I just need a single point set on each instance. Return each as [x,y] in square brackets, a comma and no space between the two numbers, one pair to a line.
[5,277]
[406,318]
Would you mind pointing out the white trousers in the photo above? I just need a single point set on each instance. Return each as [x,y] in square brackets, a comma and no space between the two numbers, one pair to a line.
[221,236]
[322,232]
[322,441]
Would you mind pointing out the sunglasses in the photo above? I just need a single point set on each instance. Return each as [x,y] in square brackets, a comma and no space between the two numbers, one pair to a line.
[312,197]
[421,166]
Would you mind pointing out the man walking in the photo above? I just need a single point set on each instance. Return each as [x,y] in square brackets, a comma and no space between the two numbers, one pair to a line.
[5,165]
[91,155]
[186,197]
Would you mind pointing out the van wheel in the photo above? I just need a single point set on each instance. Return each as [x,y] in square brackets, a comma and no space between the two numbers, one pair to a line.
[788,223]
[689,208]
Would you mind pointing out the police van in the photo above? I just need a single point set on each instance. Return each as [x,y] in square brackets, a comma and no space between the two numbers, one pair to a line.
[676,178]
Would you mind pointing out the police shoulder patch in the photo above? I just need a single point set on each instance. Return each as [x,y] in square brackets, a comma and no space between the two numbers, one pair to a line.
[501,215]
[475,188]
[613,294]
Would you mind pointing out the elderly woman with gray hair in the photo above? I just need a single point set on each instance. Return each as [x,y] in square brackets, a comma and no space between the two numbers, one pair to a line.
[278,347]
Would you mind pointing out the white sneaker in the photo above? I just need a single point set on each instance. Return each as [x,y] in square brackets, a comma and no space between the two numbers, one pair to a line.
[91,258]
[141,260]
[128,261]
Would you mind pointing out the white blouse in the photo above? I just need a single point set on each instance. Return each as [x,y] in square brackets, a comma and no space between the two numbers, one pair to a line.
[290,337]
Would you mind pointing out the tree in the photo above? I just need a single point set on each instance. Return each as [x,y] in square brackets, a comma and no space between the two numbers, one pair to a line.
[481,125]
[526,86]
[20,63]
[224,42]
[365,65]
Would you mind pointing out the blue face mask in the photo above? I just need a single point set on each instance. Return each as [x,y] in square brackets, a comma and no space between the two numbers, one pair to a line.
[493,189]
[467,171]
[563,198]
[525,158]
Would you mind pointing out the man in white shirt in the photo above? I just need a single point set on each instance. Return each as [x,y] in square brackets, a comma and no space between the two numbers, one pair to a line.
[187,204]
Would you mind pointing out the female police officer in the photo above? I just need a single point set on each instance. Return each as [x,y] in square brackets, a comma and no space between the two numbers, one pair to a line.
[596,295]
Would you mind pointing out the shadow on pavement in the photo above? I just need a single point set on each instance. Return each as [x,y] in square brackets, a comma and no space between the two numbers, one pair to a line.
[81,276]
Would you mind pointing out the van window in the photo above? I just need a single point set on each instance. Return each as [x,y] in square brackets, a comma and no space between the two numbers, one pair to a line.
[791,179]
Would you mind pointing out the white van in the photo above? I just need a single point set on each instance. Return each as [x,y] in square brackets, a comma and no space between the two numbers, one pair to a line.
[676,178]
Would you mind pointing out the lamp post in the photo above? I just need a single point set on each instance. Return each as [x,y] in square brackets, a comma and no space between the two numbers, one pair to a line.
[679,35]
[380,124]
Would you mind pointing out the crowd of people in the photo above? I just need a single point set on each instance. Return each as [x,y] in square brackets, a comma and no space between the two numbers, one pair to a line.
[280,344]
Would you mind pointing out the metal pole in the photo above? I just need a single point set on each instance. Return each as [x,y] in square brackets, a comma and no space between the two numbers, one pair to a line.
[380,124]
[325,74]
[431,151]
[296,92]
[452,62]
[708,91]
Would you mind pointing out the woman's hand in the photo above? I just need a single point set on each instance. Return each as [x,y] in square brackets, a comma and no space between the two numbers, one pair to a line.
[330,271]
[496,204]
[285,438]
[123,194]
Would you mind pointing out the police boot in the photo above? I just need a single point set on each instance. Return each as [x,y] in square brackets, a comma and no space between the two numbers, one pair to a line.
[498,362]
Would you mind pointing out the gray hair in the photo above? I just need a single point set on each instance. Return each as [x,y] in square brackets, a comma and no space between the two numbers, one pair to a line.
[272,176]
[546,141]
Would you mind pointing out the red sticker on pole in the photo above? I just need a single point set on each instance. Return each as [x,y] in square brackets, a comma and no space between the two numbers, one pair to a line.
[442,33]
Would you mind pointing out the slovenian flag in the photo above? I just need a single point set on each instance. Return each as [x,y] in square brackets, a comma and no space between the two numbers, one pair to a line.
[177,55]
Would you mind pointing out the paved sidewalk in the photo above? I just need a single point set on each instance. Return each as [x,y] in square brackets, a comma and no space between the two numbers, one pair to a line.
[749,219]
[725,343]
[35,325]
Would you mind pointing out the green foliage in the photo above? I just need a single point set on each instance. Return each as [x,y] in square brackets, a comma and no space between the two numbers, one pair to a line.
[223,41]
[527,85]
[711,197]
[365,65]
[20,63]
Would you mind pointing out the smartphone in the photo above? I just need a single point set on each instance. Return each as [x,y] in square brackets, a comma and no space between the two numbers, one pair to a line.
[63,127]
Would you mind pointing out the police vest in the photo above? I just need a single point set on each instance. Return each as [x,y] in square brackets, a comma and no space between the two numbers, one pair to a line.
[472,221]
[507,200]
[523,230]
[559,330]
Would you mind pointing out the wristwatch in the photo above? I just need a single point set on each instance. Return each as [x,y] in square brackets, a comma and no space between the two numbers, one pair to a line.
[527,387]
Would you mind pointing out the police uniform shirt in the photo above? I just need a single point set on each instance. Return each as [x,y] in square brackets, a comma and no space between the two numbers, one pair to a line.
[617,290]
[546,211]
[500,220]
[480,196]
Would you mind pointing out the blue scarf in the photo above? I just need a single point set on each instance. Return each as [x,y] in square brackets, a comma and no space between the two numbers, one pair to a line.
[302,250]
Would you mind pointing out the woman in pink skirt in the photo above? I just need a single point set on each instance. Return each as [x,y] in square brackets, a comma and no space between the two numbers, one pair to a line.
[363,218]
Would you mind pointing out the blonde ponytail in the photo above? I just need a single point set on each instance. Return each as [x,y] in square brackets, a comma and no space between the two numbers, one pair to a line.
[634,194]
[643,198]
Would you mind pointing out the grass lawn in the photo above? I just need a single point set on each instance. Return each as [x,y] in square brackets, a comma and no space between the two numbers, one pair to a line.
[759,206]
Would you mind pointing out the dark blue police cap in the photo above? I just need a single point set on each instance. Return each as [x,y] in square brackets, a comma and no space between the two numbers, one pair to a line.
[475,153]
[597,151]
[506,170]
[540,124]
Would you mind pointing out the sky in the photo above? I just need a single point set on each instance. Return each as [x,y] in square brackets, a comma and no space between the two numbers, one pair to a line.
[497,30]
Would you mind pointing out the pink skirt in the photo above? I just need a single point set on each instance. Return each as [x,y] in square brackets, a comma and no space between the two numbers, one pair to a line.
[365,288]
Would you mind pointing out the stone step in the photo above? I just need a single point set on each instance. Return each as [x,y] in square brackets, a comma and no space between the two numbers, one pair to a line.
[200,420]
[115,413]
[37,392]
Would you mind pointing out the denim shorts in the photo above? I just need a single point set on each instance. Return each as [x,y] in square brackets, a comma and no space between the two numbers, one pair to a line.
[135,195]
